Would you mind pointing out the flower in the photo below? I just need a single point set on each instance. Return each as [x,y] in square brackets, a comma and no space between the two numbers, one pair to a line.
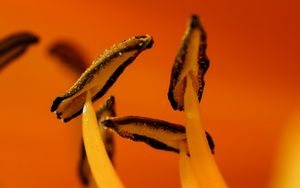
[244,106]
[186,87]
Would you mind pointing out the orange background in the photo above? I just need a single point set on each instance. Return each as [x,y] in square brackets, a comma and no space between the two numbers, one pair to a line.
[252,86]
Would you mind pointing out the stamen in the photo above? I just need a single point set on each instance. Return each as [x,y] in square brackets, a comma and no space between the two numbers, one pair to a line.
[100,76]
[15,45]
[185,93]
[158,134]
[70,55]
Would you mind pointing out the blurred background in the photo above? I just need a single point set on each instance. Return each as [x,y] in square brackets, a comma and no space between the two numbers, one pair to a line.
[252,86]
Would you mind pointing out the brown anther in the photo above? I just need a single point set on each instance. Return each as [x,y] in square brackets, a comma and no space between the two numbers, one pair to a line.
[70,55]
[158,134]
[191,60]
[100,76]
[15,45]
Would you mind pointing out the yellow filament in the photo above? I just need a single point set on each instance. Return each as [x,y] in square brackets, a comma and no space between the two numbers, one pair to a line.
[102,169]
[202,160]
[92,183]
[288,163]
[187,177]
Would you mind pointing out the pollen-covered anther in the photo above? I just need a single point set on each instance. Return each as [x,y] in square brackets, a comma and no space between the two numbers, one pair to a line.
[69,54]
[158,134]
[191,60]
[100,76]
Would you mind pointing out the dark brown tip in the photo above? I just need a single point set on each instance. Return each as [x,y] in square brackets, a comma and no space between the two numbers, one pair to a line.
[108,123]
[140,37]
[194,22]
[108,106]
[210,142]
[146,41]
[56,103]
[150,43]
[110,101]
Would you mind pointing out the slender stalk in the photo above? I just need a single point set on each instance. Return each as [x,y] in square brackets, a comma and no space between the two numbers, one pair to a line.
[187,177]
[102,169]
[286,173]
[202,160]
[92,183]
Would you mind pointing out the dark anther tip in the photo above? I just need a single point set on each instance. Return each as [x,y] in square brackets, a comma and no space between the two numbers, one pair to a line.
[58,115]
[148,39]
[56,103]
[107,123]
[172,100]
[140,36]
[26,38]
[34,39]
[111,100]
[66,120]
[194,21]
[210,142]
[150,43]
